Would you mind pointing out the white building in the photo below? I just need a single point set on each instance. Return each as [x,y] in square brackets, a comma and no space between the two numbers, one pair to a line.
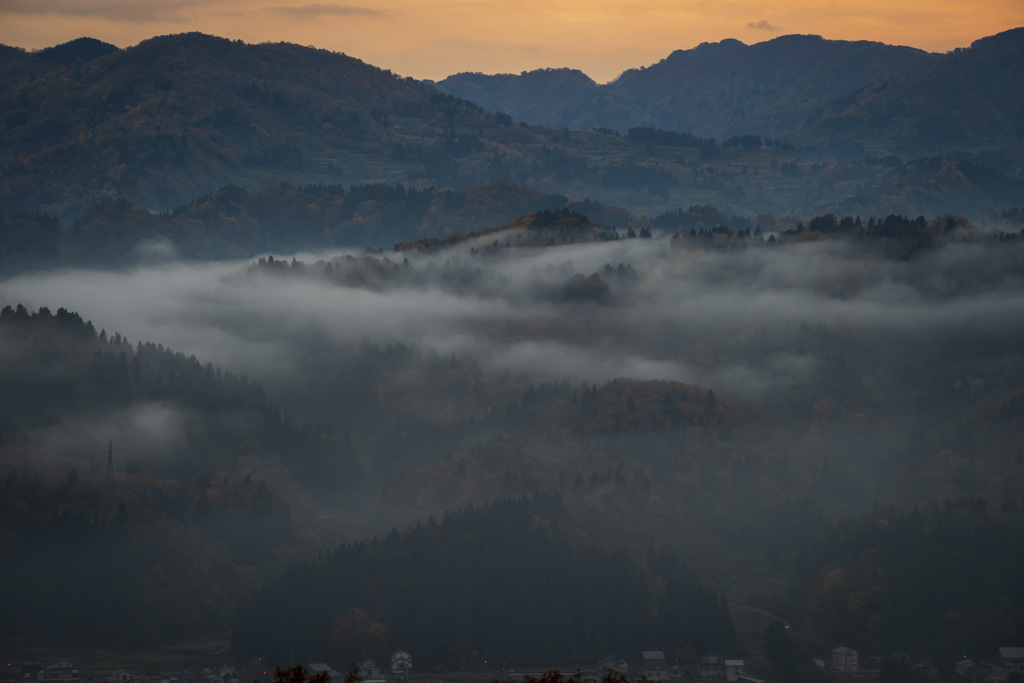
[654,665]
[401,663]
[1012,658]
[844,659]
[733,669]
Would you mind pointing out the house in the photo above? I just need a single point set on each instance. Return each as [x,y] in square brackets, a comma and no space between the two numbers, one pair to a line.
[997,673]
[61,670]
[324,668]
[401,663]
[733,669]
[964,667]
[1012,658]
[654,665]
[368,669]
[121,676]
[712,665]
[29,670]
[844,659]
[613,663]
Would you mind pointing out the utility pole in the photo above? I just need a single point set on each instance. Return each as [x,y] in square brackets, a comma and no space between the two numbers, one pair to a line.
[108,486]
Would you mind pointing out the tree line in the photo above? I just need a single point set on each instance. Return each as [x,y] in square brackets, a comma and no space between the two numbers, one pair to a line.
[499,582]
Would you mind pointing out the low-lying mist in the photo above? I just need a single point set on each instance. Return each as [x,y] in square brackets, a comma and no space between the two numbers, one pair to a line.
[664,392]
[732,320]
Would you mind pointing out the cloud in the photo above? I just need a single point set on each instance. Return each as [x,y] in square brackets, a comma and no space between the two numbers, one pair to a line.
[734,321]
[761,25]
[149,430]
[157,250]
[111,10]
[315,11]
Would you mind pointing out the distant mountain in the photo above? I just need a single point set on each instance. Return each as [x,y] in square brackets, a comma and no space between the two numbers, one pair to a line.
[535,229]
[554,97]
[968,97]
[69,394]
[834,98]
[10,54]
[78,50]
[178,116]
[720,89]
[233,222]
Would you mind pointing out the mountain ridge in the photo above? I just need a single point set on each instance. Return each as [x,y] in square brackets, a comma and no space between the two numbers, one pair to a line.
[690,91]
[178,117]
[835,98]
[970,96]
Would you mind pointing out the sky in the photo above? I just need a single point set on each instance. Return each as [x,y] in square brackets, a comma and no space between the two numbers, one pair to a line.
[436,38]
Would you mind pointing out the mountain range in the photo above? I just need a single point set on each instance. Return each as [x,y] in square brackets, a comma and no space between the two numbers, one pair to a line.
[697,334]
[175,118]
[715,89]
[799,87]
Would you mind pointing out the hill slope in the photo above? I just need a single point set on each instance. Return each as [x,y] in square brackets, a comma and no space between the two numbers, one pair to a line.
[836,97]
[178,116]
[500,580]
[186,526]
[967,98]
[718,89]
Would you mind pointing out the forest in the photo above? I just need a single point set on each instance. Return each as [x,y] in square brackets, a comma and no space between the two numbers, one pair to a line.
[312,361]
[435,386]
[501,583]
[176,118]
[938,578]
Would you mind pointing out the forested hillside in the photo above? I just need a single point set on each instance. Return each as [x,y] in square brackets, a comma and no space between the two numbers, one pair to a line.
[548,356]
[176,117]
[940,579]
[233,222]
[501,583]
[186,525]
[834,99]
[405,372]
[164,124]
[967,99]
[715,89]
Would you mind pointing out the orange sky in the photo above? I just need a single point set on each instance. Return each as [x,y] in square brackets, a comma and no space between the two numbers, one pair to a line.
[435,38]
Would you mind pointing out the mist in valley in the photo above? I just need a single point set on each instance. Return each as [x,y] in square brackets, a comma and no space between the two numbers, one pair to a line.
[521,312]
[698,397]
[616,389]
[762,324]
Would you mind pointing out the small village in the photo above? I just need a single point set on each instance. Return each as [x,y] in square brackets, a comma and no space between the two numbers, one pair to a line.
[649,665]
